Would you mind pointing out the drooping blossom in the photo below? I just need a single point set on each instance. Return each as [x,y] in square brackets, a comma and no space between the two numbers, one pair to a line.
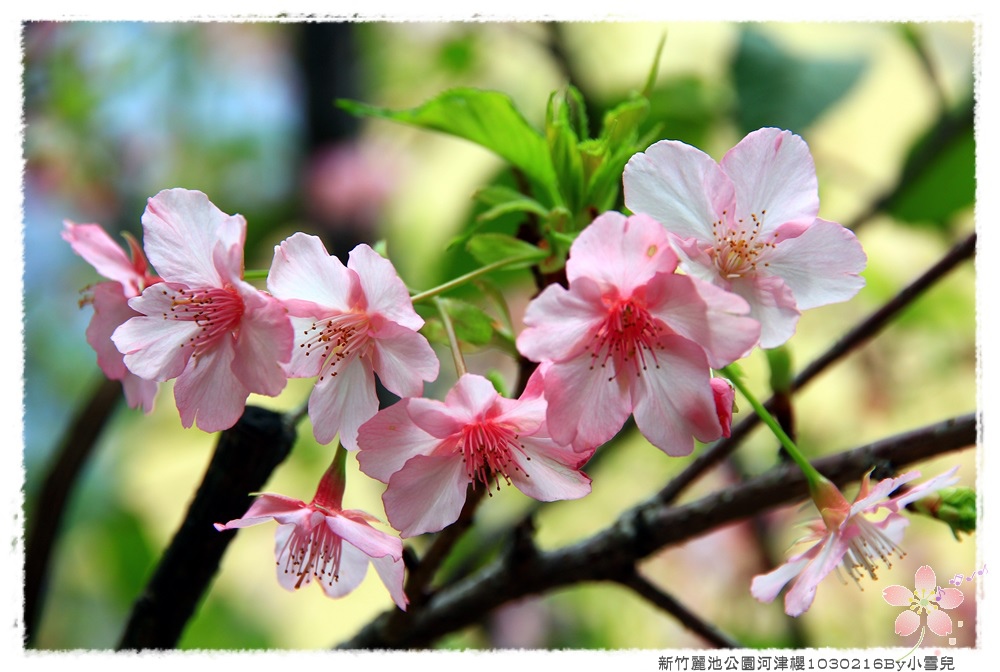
[321,540]
[351,322]
[429,452]
[926,598]
[725,398]
[219,336]
[749,224]
[630,335]
[126,279]
[846,536]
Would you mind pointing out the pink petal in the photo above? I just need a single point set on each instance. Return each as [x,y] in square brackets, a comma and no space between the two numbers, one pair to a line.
[353,568]
[951,598]
[826,555]
[772,304]
[385,294]
[705,314]
[302,269]
[208,392]
[391,438]
[154,348]
[897,596]
[559,322]
[547,472]
[939,622]
[181,229]
[821,266]
[679,186]
[907,623]
[426,495]
[111,310]
[674,403]
[374,543]
[921,490]
[725,396]
[773,171]
[263,343]
[139,392]
[765,587]
[302,364]
[391,572]
[585,407]
[624,253]
[343,403]
[924,579]
[108,258]
[403,360]
[267,507]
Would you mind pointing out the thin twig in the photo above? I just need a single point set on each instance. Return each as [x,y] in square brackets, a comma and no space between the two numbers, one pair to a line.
[645,529]
[685,616]
[865,330]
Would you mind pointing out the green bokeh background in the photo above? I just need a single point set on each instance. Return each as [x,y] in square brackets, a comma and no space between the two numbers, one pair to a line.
[114,112]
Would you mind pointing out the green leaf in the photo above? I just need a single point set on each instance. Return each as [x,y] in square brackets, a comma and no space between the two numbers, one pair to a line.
[472,325]
[563,143]
[939,175]
[776,88]
[489,248]
[487,118]
[505,200]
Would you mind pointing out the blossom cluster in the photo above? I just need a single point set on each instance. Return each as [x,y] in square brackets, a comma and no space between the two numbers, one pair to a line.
[714,259]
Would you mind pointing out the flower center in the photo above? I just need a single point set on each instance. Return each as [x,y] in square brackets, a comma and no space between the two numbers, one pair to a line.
[628,339]
[739,250]
[337,339]
[314,551]
[487,449]
[866,547]
[217,311]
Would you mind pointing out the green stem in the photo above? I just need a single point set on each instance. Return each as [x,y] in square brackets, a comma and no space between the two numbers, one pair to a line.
[812,476]
[255,274]
[449,330]
[471,275]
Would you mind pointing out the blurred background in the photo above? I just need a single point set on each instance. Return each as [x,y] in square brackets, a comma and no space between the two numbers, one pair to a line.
[115,112]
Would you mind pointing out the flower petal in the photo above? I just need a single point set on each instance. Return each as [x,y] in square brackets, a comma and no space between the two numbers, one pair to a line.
[154,348]
[897,596]
[773,171]
[343,403]
[263,343]
[765,587]
[390,570]
[679,186]
[403,360]
[587,405]
[374,543]
[951,598]
[426,495]
[384,291]
[391,438]
[350,574]
[208,392]
[925,579]
[303,270]
[907,623]
[181,229]
[547,472]
[267,507]
[108,258]
[939,622]
[674,403]
[821,265]
[772,304]
[620,252]
[559,322]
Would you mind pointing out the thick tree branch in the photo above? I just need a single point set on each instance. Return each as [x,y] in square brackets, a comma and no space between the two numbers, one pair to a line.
[244,458]
[75,448]
[644,529]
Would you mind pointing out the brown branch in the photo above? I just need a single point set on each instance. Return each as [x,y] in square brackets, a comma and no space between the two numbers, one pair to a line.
[864,331]
[686,617]
[644,529]
[75,448]
[244,458]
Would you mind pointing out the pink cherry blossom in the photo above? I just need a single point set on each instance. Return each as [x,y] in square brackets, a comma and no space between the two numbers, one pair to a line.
[126,279]
[324,541]
[630,335]
[845,536]
[429,452]
[219,336]
[926,598]
[350,323]
[749,224]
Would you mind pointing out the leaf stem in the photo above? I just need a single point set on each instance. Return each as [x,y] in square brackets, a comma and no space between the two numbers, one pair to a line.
[449,330]
[471,275]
